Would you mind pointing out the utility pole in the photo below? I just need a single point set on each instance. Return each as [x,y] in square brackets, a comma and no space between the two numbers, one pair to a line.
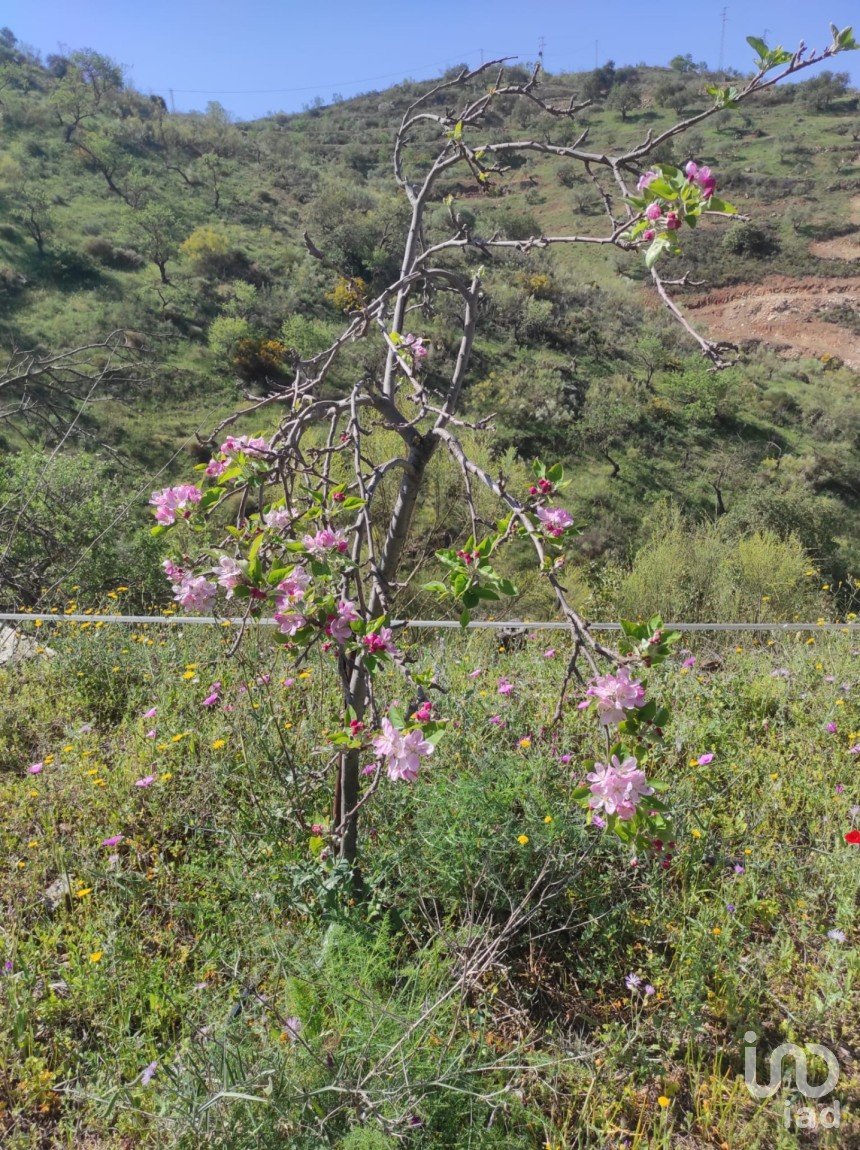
[723,39]
[172,101]
[541,46]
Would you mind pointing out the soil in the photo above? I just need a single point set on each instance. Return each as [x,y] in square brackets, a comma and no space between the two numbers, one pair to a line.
[787,315]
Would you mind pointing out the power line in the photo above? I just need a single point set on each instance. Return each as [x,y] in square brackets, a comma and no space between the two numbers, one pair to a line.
[311,87]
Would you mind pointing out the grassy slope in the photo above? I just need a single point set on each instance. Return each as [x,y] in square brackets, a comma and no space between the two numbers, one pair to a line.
[217,919]
[792,171]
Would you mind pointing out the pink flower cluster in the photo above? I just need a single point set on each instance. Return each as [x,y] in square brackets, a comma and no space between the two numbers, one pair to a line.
[617,788]
[193,592]
[228,574]
[402,753]
[614,694]
[703,176]
[325,540]
[171,500]
[414,344]
[339,625]
[231,446]
[555,519]
[291,590]
[380,642]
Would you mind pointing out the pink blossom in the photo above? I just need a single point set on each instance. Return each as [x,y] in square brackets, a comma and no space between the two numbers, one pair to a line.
[172,499]
[325,540]
[855,750]
[403,753]
[215,467]
[293,1028]
[228,574]
[173,572]
[278,520]
[832,728]
[379,642]
[617,787]
[232,445]
[497,721]
[424,712]
[151,713]
[615,694]
[339,626]
[35,768]
[113,841]
[691,662]
[648,234]
[148,1073]
[645,179]
[703,760]
[369,769]
[195,592]
[653,211]
[146,781]
[505,686]
[292,589]
[555,519]
[415,345]
[213,697]
[151,734]
[289,622]
[549,653]
[597,821]
[703,176]
[474,674]
[672,222]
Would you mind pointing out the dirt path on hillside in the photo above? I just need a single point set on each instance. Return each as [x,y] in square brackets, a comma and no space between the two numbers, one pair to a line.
[841,247]
[786,314]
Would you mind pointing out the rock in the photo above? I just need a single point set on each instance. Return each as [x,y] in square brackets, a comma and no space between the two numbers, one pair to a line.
[59,892]
[15,646]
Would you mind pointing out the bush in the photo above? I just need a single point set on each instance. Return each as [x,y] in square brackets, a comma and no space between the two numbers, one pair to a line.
[704,574]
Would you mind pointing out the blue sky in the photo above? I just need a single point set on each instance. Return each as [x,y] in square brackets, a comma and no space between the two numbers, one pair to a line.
[263,55]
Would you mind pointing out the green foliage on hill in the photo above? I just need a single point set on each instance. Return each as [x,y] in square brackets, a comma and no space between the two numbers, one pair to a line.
[187,231]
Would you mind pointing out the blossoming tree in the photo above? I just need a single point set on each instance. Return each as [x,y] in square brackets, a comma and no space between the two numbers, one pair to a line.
[310,543]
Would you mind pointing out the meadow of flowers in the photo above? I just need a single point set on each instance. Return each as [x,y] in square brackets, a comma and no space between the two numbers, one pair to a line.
[185,962]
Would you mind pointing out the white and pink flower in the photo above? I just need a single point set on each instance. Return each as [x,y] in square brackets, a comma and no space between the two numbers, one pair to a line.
[402,753]
[617,787]
[175,500]
[614,695]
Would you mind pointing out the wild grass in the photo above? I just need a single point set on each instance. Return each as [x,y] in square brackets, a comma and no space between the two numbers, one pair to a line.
[473,995]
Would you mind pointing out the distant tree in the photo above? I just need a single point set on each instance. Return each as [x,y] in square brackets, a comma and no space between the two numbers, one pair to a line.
[686,65]
[8,39]
[34,213]
[88,83]
[624,98]
[155,232]
[821,93]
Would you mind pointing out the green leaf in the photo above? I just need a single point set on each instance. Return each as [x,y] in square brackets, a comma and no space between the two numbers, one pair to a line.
[436,587]
[715,205]
[464,619]
[255,570]
[506,587]
[160,528]
[758,46]
[555,473]
[458,130]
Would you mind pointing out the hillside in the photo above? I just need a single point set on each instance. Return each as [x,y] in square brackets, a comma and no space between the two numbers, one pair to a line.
[186,231]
